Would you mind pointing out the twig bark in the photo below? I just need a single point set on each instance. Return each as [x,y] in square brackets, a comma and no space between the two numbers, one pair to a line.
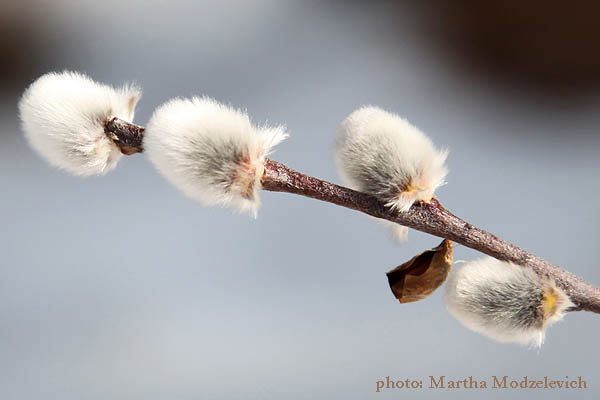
[429,217]
[127,136]
[434,219]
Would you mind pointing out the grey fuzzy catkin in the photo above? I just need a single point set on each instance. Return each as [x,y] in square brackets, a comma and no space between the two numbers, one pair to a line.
[63,115]
[504,301]
[380,153]
[210,151]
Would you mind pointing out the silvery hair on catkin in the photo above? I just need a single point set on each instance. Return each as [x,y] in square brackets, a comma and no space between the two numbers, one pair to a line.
[210,151]
[63,115]
[504,301]
[380,153]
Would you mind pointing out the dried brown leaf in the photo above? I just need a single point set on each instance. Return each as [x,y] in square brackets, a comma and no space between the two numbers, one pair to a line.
[419,277]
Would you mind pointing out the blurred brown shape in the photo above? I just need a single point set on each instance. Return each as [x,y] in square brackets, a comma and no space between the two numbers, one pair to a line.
[551,44]
[25,43]
[418,278]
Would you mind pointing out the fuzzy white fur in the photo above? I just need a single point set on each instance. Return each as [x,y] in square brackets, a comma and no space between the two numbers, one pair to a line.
[504,301]
[379,153]
[63,116]
[210,151]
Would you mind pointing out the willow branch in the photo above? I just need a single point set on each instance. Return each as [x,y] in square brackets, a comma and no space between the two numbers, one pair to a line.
[127,136]
[428,217]
[434,219]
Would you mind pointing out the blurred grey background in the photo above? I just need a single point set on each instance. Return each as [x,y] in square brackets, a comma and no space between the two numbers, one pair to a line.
[121,288]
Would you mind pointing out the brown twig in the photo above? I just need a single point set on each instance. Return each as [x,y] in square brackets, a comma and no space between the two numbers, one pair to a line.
[428,217]
[127,136]
[434,219]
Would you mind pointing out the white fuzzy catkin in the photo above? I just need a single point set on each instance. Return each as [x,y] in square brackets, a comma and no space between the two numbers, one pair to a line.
[380,153]
[210,151]
[63,116]
[504,301]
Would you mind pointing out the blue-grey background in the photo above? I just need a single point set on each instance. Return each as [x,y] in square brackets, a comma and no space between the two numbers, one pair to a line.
[119,287]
